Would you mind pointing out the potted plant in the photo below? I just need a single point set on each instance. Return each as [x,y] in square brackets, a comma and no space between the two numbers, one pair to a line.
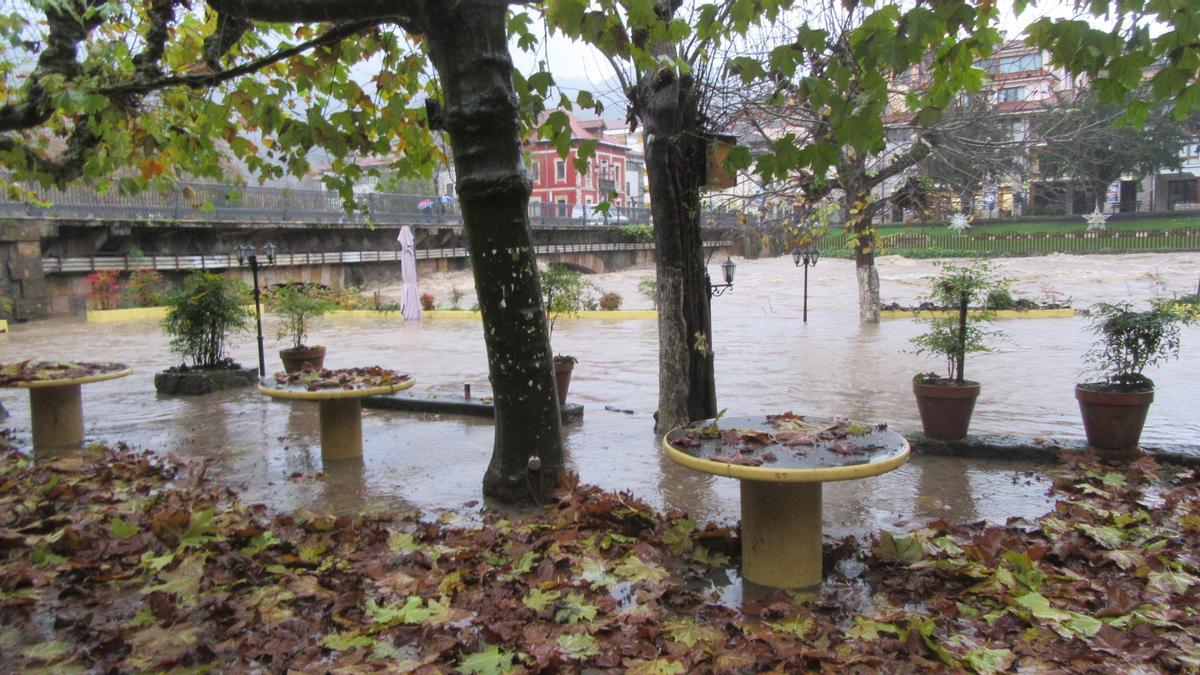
[946,403]
[201,315]
[564,291]
[296,305]
[1114,407]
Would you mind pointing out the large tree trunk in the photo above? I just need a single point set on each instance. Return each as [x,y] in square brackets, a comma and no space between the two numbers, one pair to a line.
[868,279]
[470,51]
[675,163]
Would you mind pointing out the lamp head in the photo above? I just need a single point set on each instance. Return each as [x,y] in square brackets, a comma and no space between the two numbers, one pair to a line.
[240,250]
[269,249]
[816,253]
[796,253]
[728,267]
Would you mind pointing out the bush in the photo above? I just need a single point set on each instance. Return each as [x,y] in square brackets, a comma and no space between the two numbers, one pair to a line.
[648,288]
[296,305]
[428,302]
[145,288]
[456,297]
[1128,342]
[565,291]
[639,233]
[202,314]
[610,302]
[104,289]
[959,288]
[999,298]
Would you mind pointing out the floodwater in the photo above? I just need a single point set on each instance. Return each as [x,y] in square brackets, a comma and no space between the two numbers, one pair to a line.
[768,360]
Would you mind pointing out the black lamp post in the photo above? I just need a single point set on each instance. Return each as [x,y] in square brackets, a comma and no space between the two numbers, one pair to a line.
[247,253]
[805,256]
[727,268]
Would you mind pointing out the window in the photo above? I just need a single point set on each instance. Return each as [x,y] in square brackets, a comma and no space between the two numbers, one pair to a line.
[1190,150]
[534,173]
[562,204]
[1016,130]
[1010,94]
[560,171]
[1019,63]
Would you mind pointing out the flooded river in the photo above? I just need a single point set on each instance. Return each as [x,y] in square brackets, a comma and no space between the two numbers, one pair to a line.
[768,360]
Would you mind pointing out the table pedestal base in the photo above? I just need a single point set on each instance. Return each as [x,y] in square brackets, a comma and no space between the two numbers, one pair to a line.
[57,416]
[341,428]
[781,533]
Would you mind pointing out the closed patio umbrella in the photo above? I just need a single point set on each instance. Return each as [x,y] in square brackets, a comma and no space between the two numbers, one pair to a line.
[410,299]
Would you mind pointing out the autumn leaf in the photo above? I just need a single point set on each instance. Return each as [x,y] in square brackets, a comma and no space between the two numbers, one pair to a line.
[904,550]
[578,646]
[538,600]
[634,570]
[491,661]
[575,608]
[689,632]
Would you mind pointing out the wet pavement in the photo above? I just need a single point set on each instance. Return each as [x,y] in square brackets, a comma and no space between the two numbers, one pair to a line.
[767,361]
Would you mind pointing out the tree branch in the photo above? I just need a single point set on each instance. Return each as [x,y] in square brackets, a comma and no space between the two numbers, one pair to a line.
[334,34]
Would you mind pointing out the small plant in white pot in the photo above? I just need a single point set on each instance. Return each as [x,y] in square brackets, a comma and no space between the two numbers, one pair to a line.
[1114,406]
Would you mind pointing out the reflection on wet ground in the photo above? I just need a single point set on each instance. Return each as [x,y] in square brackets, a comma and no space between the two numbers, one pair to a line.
[767,361]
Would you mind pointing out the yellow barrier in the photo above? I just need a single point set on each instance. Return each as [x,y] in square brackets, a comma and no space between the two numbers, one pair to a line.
[618,315]
[131,314]
[3,325]
[1000,314]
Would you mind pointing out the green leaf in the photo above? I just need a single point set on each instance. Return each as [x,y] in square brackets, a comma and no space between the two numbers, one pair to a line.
[578,646]
[867,629]
[121,529]
[490,661]
[798,626]
[47,652]
[904,550]
[344,642]
[259,543]
[1106,536]
[985,660]
[1170,582]
[575,608]
[689,632]
[635,570]
[538,600]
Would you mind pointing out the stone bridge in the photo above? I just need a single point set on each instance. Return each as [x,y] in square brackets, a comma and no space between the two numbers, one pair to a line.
[48,249]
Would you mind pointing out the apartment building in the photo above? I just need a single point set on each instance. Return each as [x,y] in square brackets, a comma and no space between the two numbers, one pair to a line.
[565,192]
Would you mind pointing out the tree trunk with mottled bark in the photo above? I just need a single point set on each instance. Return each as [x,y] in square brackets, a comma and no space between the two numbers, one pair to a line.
[675,164]
[470,51]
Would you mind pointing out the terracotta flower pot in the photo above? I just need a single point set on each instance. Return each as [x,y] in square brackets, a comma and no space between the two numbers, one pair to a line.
[295,359]
[562,377]
[1113,420]
[946,408]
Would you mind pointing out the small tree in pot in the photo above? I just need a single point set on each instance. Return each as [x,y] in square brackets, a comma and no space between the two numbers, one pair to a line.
[201,315]
[296,305]
[1114,407]
[946,403]
[564,291]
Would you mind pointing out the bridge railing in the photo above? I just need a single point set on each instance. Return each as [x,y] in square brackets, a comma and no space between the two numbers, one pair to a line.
[209,202]
[84,265]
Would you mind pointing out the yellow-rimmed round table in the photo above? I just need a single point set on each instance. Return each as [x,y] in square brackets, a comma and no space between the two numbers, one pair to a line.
[340,406]
[781,462]
[56,397]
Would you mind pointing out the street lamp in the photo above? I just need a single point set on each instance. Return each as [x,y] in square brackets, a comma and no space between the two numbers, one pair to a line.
[247,253]
[805,256]
[727,269]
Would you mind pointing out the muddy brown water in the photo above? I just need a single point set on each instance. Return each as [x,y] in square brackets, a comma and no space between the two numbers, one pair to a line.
[767,361]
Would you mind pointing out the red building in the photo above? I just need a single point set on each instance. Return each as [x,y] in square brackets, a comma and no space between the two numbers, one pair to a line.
[555,180]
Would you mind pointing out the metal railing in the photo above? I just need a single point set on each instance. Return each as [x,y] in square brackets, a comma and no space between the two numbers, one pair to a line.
[82,265]
[212,203]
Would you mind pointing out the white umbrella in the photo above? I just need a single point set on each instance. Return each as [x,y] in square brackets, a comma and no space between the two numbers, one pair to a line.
[410,299]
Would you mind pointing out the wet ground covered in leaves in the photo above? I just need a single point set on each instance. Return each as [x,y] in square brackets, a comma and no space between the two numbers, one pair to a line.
[123,561]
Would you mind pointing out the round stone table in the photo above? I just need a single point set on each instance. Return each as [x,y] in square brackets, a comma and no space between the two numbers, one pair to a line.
[56,406]
[781,468]
[340,413]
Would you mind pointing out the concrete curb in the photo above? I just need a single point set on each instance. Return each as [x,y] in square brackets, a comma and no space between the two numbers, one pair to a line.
[452,405]
[1039,449]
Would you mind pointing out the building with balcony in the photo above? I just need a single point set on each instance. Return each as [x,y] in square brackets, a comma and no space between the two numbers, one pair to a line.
[565,191]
